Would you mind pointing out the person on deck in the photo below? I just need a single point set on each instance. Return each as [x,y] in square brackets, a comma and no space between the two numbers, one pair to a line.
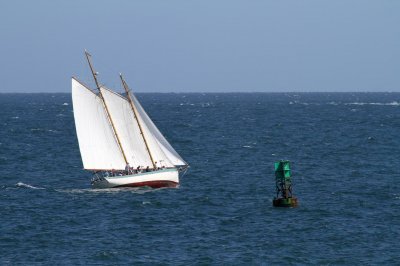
[127,167]
[147,169]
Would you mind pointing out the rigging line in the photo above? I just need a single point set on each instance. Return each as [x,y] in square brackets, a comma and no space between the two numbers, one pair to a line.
[185,171]
[127,90]
[88,57]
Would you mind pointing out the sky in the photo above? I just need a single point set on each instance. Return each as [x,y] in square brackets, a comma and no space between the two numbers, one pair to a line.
[202,46]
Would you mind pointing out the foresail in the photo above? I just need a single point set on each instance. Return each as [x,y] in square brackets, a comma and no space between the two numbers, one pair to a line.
[97,142]
[125,124]
[165,146]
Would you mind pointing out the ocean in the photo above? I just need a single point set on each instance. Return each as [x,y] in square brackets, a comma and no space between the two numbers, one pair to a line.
[344,151]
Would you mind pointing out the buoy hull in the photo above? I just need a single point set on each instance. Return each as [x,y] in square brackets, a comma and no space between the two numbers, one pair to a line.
[285,202]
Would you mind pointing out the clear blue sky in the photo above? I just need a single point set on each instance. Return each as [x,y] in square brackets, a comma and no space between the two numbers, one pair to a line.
[203,45]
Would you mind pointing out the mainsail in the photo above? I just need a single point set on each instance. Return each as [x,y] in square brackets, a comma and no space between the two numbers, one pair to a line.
[128,129]
[97,143]
[133,143]
[155,134]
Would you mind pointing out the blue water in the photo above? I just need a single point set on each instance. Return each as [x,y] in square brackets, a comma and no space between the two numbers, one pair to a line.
[344,149]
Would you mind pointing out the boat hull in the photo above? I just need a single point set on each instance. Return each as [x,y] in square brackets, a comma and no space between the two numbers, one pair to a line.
[155,179]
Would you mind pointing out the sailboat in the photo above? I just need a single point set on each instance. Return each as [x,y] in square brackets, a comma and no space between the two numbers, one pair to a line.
[119,142]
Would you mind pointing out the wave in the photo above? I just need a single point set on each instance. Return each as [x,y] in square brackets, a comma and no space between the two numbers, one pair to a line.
[140,190]
[42,130]
[23,185]
[384,104]
[394,103]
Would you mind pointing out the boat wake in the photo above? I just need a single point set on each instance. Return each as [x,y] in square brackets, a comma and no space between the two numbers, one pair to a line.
[23,185]
[136,190]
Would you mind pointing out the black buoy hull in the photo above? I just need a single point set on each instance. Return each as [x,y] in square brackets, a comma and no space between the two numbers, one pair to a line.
[285,202]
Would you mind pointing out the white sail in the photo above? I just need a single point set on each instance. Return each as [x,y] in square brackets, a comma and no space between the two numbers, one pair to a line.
[166,148]
[127,128]
[97,142]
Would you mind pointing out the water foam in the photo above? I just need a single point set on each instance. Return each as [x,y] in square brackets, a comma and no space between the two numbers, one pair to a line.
[394,103]
[139,190]
[23,185]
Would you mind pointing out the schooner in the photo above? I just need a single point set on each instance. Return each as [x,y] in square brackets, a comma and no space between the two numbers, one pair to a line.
[118,141]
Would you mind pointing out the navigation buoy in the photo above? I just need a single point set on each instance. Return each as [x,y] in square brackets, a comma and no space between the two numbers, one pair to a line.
[283,180]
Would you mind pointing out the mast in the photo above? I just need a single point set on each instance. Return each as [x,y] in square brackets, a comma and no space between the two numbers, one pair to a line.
[88,57]
[136,118]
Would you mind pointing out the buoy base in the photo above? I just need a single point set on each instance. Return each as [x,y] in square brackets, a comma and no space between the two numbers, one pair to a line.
[285,202]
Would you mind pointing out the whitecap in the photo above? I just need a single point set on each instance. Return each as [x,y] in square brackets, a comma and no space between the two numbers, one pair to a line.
[15,117]
[66,104]
[23,185]
[394,103]
[246,146]
[191,104]
[356,103]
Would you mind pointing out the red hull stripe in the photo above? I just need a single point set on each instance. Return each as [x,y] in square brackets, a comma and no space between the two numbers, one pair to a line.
[152,184]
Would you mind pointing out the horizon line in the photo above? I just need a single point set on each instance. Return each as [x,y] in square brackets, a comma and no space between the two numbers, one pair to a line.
[215,92]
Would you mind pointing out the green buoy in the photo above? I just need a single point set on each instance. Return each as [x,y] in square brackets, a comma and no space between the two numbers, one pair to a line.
[283,180]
